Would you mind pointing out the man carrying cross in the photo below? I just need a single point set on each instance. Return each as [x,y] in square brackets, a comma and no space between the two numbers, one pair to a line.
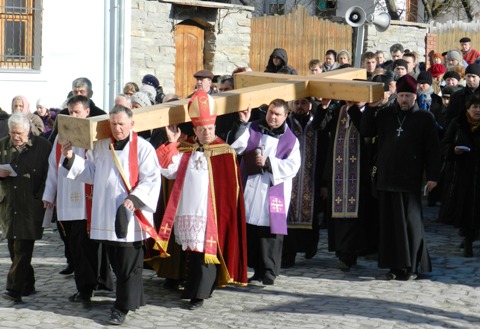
[270,160]
[205,207]
[408,145]
[125,172]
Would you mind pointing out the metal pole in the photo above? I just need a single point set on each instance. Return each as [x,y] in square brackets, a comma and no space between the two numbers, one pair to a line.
[359,46]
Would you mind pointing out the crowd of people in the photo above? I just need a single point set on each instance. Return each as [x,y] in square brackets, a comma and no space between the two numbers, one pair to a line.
[202,201]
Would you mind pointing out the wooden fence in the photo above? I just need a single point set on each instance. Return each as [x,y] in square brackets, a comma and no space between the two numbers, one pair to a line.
[449,34]
[303,37]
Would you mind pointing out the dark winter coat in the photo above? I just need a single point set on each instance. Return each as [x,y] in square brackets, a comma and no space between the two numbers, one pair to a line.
[21,206]
[284,68]
[402,160]
[464,190]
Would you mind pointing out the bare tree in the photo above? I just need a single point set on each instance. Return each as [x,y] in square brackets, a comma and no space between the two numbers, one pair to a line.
[467,5]
[392,9]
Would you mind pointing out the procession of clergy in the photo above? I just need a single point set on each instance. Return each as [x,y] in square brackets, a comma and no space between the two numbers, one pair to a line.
[202,201]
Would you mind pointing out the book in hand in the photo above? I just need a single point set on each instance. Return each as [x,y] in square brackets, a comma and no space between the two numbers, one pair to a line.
[8,167]
[249,158]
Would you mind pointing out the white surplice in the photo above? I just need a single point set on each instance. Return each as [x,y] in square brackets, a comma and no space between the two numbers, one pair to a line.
[257,207]
[67,194]
[191,215]
[109,191]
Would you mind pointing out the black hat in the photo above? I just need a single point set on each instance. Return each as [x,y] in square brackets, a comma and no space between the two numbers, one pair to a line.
[465,39]
[425,77]
[151,80]
[121,222]
[400,62]
[204,74]
[448,91]
[473,69]
[451,74]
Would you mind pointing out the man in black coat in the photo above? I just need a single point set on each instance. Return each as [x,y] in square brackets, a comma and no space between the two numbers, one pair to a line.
[458,99]
[408,144]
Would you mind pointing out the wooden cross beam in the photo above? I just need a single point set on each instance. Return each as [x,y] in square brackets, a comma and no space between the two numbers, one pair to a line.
[253,89]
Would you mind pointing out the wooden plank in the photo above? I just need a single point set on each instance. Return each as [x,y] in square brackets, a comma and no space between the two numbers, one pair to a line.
[247,79]
[83,132]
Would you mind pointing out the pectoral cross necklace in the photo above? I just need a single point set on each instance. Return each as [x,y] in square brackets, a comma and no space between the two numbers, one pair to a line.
[400,129]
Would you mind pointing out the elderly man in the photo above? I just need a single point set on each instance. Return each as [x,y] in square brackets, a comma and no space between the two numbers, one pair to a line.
[125,172]
[21,209]
[408,145]
[204,81]
[80,86]
[206,204]
[469,54]
[270,160]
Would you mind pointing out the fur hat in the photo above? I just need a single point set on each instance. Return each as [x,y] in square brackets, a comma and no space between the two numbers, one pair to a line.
[151,80]
[150,91]
[201,109]
[425,77]
[473,69]
[407,84]
[437,70]
[455,55]
[141,99]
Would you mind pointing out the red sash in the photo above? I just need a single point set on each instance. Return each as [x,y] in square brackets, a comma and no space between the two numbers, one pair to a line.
[88,188]
[133,170]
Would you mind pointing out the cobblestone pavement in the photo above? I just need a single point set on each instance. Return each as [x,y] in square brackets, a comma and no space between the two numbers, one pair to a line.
[313,294]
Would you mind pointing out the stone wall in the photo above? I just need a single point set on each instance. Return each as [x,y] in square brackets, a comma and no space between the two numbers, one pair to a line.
[410,35]
[227,37]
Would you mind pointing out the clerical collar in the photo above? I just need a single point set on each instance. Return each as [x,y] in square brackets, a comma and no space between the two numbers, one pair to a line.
[120,145]
[275,132]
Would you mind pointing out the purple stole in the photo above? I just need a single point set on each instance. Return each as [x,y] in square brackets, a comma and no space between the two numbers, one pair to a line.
[346,169]
[278,211]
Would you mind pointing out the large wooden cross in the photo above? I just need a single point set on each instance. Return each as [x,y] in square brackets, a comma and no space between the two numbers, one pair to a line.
[252,90]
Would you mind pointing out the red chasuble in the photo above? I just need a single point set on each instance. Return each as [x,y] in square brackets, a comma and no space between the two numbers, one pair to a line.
[228,208]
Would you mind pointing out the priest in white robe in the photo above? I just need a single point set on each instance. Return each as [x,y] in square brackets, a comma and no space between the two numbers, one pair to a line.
[270,160]
[72,200]
[126,176]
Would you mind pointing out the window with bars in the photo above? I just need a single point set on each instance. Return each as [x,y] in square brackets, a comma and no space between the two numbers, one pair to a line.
[275,7]
[20,34]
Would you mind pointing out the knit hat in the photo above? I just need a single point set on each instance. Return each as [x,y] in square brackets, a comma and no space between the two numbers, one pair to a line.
[141,99]
[451,74]
[407,84]
[437,70]
[201,109]
[346,53]
[150,91]
[473,69]
[454,55]
[424,77]
[400,62]
[151,80]
[41,102]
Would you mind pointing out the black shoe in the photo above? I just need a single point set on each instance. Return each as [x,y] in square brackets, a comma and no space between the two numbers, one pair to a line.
[117,317]
[255,277]
[11,296]
[28,292]
[171,284]
[67,270]
[195,303]
[78,297]
[268,281]
[388,276]
[342,266]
